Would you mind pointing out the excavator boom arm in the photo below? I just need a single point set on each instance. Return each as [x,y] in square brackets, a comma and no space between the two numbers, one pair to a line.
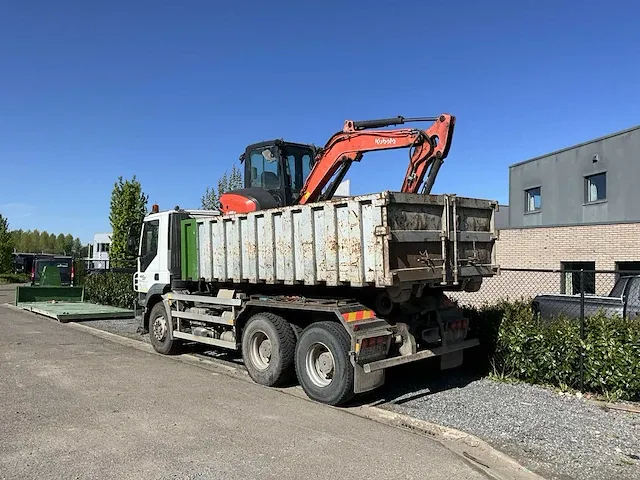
[427,148]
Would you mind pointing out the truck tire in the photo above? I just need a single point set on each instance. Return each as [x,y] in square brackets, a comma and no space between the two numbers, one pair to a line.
[322,363]
[158,334]
[268,349]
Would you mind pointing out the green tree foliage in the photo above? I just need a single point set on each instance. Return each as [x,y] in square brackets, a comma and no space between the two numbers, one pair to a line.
[128,208]
[227,182]
[77,249]
[68,243]
[60,243]
[37,242]
[28,241]
[6,246]
[45,242]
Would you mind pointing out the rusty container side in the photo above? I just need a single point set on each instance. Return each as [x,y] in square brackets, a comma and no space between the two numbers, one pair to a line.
[377,240]
[440,239]
[332,243]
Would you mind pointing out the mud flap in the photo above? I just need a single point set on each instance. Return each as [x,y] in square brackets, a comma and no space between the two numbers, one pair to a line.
[364,382]
[451,360]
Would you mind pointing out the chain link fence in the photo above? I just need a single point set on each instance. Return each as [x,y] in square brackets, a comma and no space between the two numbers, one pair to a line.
[562,288]
[585,347]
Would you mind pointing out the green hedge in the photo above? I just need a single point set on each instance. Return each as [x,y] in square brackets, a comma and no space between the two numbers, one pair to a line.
[14,278]
[518,344]
[80,270]
[115,289]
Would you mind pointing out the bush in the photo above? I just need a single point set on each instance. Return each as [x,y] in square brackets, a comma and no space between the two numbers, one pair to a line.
[14,278]
[109,288]
[518,344]
[80,269]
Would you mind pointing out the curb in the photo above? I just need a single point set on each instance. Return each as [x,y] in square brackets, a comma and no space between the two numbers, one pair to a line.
[485,458]
[623,407]
[491,461]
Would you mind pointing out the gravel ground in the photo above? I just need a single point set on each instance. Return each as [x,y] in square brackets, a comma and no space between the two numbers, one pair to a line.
[126,327]
[558,436]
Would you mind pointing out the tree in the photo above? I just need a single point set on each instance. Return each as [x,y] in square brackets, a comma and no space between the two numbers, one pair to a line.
[60,244]
[227,182]
[6,246]
[47,242]
[128,208]
[76,248]
[68,243]
[16,238]
[35,241]
[43,241]
[26,243]
[29,241]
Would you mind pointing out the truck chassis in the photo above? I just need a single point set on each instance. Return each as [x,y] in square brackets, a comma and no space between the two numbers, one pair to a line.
[336,348]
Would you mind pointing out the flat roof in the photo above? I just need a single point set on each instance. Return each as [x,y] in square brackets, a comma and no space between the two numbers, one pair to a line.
[622,132]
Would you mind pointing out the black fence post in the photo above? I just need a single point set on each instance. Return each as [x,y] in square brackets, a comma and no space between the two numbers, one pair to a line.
[581,329]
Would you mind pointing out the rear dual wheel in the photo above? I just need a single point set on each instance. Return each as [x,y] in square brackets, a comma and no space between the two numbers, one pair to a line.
[276,351]
[322,363]
[268,349]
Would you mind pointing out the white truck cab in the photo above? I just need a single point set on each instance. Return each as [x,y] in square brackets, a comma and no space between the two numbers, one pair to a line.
[159,255]
[153,254]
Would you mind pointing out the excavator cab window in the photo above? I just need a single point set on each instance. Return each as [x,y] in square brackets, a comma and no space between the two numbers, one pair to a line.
[299,161]
[279,167]
[264,170]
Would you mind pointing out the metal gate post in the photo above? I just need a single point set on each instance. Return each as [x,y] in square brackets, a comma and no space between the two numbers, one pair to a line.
[582,335]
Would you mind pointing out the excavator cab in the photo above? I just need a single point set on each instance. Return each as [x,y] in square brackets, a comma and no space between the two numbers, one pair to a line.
[274,173]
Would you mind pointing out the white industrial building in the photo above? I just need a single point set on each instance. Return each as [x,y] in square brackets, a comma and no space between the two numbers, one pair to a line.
[99,255]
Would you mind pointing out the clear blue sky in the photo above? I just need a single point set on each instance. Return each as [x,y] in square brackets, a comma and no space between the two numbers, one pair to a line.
[173,91]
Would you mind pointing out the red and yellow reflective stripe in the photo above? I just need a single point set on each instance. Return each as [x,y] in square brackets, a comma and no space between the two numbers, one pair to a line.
[359,315]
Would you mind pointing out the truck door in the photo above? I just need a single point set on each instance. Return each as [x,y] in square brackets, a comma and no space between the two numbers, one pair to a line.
[152,265]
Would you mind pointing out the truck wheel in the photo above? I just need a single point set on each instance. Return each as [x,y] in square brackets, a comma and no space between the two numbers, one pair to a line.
[322,363]
[268,349]
[158,331]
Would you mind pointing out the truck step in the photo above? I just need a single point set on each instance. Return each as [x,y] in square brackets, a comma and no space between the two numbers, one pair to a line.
[207,340]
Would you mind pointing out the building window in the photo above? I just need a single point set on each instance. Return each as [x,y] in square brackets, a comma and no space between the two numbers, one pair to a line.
[570,282]
[627,268]
[532,201]
[595,188]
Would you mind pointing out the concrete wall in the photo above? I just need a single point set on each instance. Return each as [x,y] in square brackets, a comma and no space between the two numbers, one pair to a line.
[502,217]
[560,176]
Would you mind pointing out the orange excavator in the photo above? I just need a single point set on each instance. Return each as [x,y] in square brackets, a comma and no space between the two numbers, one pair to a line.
[279,173]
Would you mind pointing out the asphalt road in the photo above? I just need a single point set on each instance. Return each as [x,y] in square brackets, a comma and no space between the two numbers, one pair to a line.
[77,406]
[7,293]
